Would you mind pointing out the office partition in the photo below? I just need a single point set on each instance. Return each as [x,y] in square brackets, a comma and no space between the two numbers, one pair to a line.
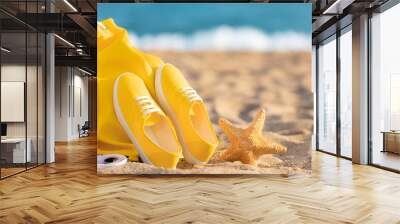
[385,89]
[22,78]
[327,95]
[345,83]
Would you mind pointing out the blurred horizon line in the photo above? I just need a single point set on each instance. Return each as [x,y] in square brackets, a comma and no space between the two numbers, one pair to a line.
[224,38]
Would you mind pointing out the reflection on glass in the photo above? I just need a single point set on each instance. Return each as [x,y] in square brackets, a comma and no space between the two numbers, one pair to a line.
[22,90]
[385,114]
[346,94]
[32,85]
[327,96]
[14,153]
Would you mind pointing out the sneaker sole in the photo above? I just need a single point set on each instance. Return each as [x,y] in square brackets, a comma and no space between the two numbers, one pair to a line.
[123,123]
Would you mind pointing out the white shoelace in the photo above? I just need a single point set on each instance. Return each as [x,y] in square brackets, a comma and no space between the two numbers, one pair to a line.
[190,94]
[146,104]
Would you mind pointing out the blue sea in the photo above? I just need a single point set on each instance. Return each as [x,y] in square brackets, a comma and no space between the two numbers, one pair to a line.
[213,26]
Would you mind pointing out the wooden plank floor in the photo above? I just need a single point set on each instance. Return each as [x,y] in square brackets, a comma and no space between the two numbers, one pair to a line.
[69,191]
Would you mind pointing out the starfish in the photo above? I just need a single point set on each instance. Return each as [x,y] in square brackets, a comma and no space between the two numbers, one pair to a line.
[248,144]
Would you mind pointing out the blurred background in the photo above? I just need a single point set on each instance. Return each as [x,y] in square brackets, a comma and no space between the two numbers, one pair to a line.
[238,26]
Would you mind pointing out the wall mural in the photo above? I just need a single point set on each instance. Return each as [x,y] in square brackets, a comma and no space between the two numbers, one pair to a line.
[204,88]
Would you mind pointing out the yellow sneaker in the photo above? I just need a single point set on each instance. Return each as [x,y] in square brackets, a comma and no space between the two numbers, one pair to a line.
[148,128]
[115,56]
[188,113]
[153,61]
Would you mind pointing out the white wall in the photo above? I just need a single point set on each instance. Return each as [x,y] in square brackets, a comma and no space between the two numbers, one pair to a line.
[62,82]
[80,100]
[33,127]
[12,73]
[71,87]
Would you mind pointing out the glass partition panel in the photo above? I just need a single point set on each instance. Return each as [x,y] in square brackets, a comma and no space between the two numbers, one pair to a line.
[32,83]
[385,89]
[14,153]
[346,93]
[327,96]
[22,77]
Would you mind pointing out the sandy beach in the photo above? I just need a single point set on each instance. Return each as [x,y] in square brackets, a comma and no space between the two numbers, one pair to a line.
[235,85]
